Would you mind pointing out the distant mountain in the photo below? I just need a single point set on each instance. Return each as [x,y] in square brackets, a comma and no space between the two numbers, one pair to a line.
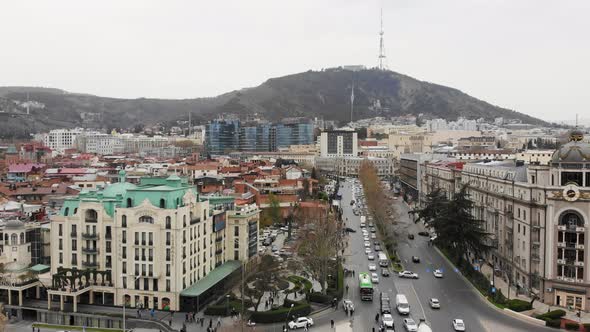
[310,94]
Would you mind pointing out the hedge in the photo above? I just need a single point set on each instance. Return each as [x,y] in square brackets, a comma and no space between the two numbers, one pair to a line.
[318,297]
[556,323]
[555,314]
[222,308]
[518,305]
[307,285]
[280,315]
[572,326]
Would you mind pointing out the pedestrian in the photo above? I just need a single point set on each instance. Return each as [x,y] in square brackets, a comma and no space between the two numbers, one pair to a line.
[346,289]
[202,321]
[332,323]
[306,327]
[377,318]
[170,322]
[186,317]
[373,328]
[219,321]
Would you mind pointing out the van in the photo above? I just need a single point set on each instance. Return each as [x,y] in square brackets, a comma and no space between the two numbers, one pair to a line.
[402,305]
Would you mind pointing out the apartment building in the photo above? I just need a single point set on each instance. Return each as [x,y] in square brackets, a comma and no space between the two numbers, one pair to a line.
[148,245]
[538,217]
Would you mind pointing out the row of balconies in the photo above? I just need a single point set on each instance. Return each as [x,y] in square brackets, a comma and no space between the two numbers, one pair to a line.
[571,228]
[147,243]
[572,245]
[570,262]
[572,280]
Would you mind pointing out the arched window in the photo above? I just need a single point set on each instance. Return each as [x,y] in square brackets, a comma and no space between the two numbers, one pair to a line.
[75,211]
[571,219]
[184,221]
[146,219]
[177,202]
[6,238]
[13,239]
[168,223]
[66,211]
[22,238]
[129,202]
[162,203]
[91,216]
[124,221]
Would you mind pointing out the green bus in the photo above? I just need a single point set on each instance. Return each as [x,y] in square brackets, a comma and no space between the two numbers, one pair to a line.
[366,286]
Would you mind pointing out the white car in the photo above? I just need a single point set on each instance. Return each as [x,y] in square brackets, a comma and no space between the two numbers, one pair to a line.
[372,267]
[373,236]
[366,238]
[410,325]
[348,304]
[374,278]
[367,244]
[368,251]
[438,273]
[434,303]
[458,325]
[371,257]
[300,323]
[408,274]
[387,320]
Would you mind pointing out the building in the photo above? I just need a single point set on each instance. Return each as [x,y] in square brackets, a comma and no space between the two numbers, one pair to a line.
[99,143]
[338,143]
[148,243]
[476,142]
[411,173]
[403,143]
[350,166]
[59,140]
[538,217]
[293,131]
[222,136]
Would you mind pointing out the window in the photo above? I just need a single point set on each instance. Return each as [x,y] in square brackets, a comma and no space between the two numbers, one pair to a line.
[184,221]
[61,244]
[124,236]
[168,223]
[167,238]
[60,230]
[129,202]
[124,252]
[146,219]
[523,230]
[74,259]
[74,233]
[136,238]
[572,178]
[151,238]
[167,285]
[124,221]
[162,203]
[236,231]
[143,238]
[236,255]
[167,270]
[61,258]
[74,245]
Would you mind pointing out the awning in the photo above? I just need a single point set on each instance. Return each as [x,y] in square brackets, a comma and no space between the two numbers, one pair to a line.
[570,289]
[211,279]
[39,268]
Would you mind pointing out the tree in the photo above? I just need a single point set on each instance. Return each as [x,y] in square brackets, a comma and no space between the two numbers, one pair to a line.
[320,240]
[456,227]
[264,279]
[274,209]
[314,173]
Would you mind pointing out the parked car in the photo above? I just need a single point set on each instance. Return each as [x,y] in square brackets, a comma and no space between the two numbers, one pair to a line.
[374,278]
[371,257]
[385,272]
[415,259]
[300,322]
[387,320]
[438,273]
[411,236]
[423,233]
[408,274]
[372,267]
[377,248]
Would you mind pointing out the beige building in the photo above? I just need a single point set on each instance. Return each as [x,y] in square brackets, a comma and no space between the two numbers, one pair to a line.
[409,143]
[538,216]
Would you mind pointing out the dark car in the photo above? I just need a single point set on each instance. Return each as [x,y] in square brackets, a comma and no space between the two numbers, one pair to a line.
[350,230]
[377,248]
[385,272]
[411,236]
[415,259]
[423,233]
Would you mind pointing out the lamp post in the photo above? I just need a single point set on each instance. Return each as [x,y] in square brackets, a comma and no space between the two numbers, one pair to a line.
[124,303]
[288,313]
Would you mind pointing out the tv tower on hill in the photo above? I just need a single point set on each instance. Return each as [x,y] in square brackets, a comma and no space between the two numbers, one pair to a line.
[382,56]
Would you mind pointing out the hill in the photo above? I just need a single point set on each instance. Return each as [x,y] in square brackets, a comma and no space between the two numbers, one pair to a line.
[310,94]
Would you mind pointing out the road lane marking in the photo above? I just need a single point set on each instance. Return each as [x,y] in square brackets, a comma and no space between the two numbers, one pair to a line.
[419,302]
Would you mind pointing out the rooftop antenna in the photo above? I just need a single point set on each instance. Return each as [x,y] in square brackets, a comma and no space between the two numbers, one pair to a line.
[382,64]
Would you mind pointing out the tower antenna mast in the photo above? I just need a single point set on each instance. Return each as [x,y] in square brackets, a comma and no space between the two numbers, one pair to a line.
[382,56]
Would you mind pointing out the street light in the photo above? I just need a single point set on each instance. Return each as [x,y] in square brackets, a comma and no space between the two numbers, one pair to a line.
[288,313]
[125,304]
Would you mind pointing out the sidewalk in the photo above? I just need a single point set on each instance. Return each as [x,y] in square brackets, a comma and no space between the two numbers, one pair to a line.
[538,306]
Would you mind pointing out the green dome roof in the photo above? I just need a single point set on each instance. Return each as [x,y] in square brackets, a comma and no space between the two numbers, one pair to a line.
[118,188]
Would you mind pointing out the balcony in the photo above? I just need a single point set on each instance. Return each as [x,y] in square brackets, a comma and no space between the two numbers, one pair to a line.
[90,265]
[90,251]
[579,246]
[535,257]
[90,236]
[74,234]
[578,263]
[219,239]
[218,251]
[195,221]
[561,261]
[571,228]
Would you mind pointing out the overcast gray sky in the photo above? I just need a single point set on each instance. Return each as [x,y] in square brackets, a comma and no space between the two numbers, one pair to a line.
[528,55]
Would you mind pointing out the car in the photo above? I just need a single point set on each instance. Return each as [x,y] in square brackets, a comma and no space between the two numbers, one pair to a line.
[377,248]
[300,323]
[373,230]
[375,242]
[372,267]
[411,236]
[371,257]
[434,303]
[387,320]
[458,325]
[348,304]
[373,236]
[415,259]
[374,278]
[274,248]
[371,224]
[423,233]
[366,238]
[368,251]
[410,325]
[385,272]
[408,274]
[350,230]
[367,244]
[432,238]
[438,273]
